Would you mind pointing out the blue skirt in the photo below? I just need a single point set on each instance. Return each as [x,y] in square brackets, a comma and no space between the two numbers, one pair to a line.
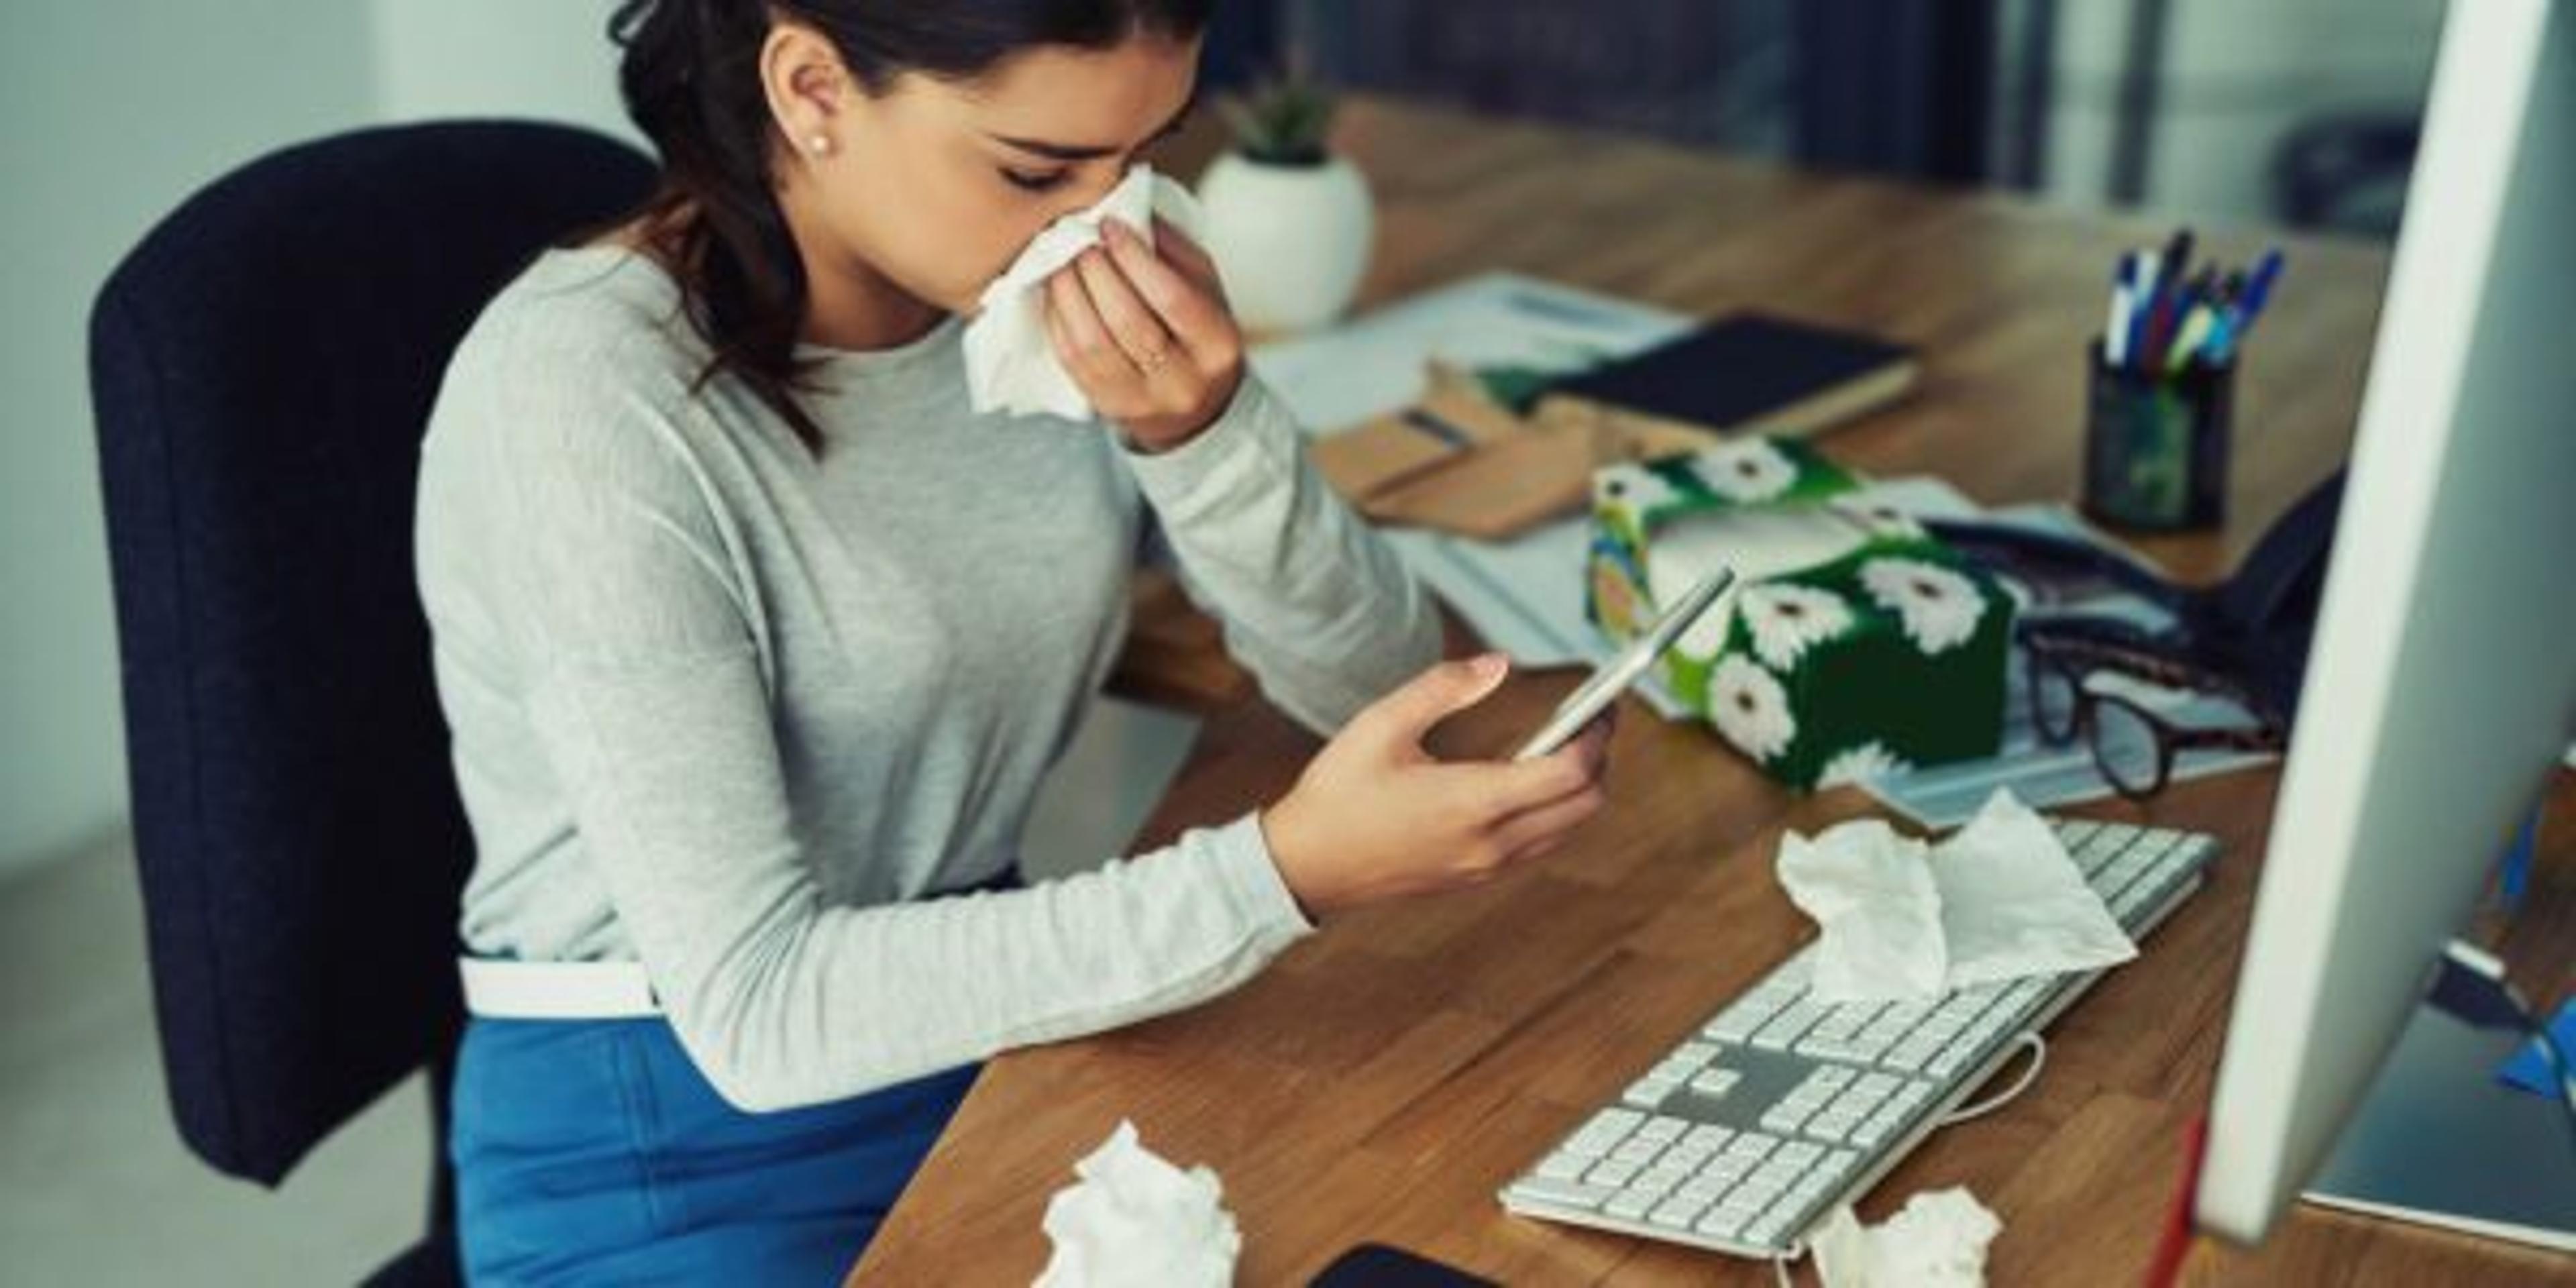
[594,1151]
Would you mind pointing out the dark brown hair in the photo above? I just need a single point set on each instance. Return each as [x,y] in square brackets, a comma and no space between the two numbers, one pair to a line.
[691,80]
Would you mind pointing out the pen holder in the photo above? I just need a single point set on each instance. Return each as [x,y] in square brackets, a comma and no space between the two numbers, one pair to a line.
[2155,445]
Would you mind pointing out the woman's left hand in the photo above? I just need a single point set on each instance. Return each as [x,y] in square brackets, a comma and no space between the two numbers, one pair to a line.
[1146,333]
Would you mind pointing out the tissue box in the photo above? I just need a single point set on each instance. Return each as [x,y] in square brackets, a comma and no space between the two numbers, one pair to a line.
[1853,644]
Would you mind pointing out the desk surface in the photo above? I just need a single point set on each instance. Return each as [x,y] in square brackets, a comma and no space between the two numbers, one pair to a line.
[1383,1078]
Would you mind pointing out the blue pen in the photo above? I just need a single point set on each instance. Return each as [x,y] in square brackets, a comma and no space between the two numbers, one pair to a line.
[2240,318]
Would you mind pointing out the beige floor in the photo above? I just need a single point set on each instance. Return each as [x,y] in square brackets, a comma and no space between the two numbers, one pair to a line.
[95,1187]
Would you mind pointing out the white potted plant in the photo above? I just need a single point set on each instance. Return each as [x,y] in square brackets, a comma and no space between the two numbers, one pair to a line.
[1289,222]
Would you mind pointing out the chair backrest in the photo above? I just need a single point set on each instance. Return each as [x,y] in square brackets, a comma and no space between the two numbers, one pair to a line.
[263,366]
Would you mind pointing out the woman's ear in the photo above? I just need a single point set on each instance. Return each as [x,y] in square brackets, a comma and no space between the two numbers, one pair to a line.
[802,75]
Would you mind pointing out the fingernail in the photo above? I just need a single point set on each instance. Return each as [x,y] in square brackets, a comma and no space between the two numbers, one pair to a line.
[1490,665]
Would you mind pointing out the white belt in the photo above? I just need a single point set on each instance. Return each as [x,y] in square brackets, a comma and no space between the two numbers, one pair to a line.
[514,990]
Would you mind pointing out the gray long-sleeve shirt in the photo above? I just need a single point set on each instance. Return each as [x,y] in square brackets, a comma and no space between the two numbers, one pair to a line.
[733,711]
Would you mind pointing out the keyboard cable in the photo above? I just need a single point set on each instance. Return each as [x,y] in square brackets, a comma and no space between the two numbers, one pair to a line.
[2029,1074]
[2038,1046]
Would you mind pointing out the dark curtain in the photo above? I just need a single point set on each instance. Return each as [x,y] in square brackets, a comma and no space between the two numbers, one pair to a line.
[1892,86]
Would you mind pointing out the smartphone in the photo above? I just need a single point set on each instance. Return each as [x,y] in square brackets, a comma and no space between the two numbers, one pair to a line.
[1607,680]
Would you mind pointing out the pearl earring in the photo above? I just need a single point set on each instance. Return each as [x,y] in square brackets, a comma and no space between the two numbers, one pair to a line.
[818,145]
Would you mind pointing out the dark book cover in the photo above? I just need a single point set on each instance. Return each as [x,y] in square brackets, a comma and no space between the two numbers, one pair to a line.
[1752,373]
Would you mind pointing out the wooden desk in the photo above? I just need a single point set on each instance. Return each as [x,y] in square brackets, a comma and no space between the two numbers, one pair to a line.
[1386,1076]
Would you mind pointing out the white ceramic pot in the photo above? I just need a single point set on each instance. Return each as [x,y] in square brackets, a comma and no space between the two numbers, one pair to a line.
[1291,242]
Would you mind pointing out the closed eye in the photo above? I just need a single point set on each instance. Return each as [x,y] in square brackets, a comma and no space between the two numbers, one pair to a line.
[1035,182]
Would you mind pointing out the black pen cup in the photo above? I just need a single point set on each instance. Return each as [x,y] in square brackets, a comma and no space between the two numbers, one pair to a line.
[2156,444]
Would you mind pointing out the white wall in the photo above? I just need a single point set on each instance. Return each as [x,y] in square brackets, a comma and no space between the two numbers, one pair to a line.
[115,113]
[539,58]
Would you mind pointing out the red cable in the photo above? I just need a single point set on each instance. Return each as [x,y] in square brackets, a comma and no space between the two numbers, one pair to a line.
[2174,1245]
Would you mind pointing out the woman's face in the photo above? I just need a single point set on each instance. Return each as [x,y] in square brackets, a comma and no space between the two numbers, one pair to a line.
[934,185]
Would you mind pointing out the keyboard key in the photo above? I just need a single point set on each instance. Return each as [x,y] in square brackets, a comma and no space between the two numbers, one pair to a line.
[1739,1022]
[1688,1156]
[1799,1153]
[1649,1092]
[1563,1166]
[1785,1119]
[1609,1126]
[1629,1205]
[1678,1213]
[1561,1193]
[1611,1174]
[1637,1152]
[1663,1127]
[1715,1083]
[1755,1193]
[1710,1136]
[1722,1222]
[1832,1128]
[1746,1200]
[1788,1026]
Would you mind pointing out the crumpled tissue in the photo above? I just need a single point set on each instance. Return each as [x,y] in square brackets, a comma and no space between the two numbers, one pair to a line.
[1902,921]
[1877,913]
[1136,1220]
[1938,1241]
[1011,365]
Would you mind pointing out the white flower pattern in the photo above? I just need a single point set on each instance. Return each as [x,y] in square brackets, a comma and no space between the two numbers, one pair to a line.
[1939,608]
[1786,619]
[1633,488]
[1747,470]
[1751,708]
[1861,764]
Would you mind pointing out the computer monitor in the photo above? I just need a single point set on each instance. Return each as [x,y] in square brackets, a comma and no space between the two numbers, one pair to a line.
[2441,690]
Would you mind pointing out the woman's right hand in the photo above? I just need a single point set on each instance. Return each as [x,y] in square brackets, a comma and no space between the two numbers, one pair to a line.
[1375,816]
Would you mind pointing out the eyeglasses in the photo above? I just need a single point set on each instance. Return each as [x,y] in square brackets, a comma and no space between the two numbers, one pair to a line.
[2133,746]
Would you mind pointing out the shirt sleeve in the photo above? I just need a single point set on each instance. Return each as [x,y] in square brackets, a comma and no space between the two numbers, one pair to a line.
[629,603]
[1313,601]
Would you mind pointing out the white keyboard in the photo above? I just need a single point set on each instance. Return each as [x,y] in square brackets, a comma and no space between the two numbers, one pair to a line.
[1778,1109]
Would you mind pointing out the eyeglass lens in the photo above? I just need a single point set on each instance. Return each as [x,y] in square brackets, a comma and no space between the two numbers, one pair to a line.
[2127,746]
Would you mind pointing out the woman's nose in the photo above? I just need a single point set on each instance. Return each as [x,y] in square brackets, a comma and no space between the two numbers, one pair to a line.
[1086,193]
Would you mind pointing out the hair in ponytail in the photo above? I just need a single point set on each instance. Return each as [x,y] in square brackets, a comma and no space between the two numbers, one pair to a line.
[691,80]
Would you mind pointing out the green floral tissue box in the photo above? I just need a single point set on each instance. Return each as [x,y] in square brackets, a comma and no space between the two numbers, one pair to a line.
[1853,645]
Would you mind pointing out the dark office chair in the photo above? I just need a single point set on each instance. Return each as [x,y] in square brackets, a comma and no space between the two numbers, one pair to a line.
[263,365]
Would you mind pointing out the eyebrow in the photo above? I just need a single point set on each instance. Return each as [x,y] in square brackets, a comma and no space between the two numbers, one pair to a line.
[1086,152]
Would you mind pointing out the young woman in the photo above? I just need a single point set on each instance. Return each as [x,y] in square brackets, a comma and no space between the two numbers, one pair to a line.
[755,640]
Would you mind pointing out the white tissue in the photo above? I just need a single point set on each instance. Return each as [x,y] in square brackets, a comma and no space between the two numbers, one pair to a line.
[1938,1241]
[1011,365]
[1871,894]
[1136,1220]
[2013,903]
[2001,898]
